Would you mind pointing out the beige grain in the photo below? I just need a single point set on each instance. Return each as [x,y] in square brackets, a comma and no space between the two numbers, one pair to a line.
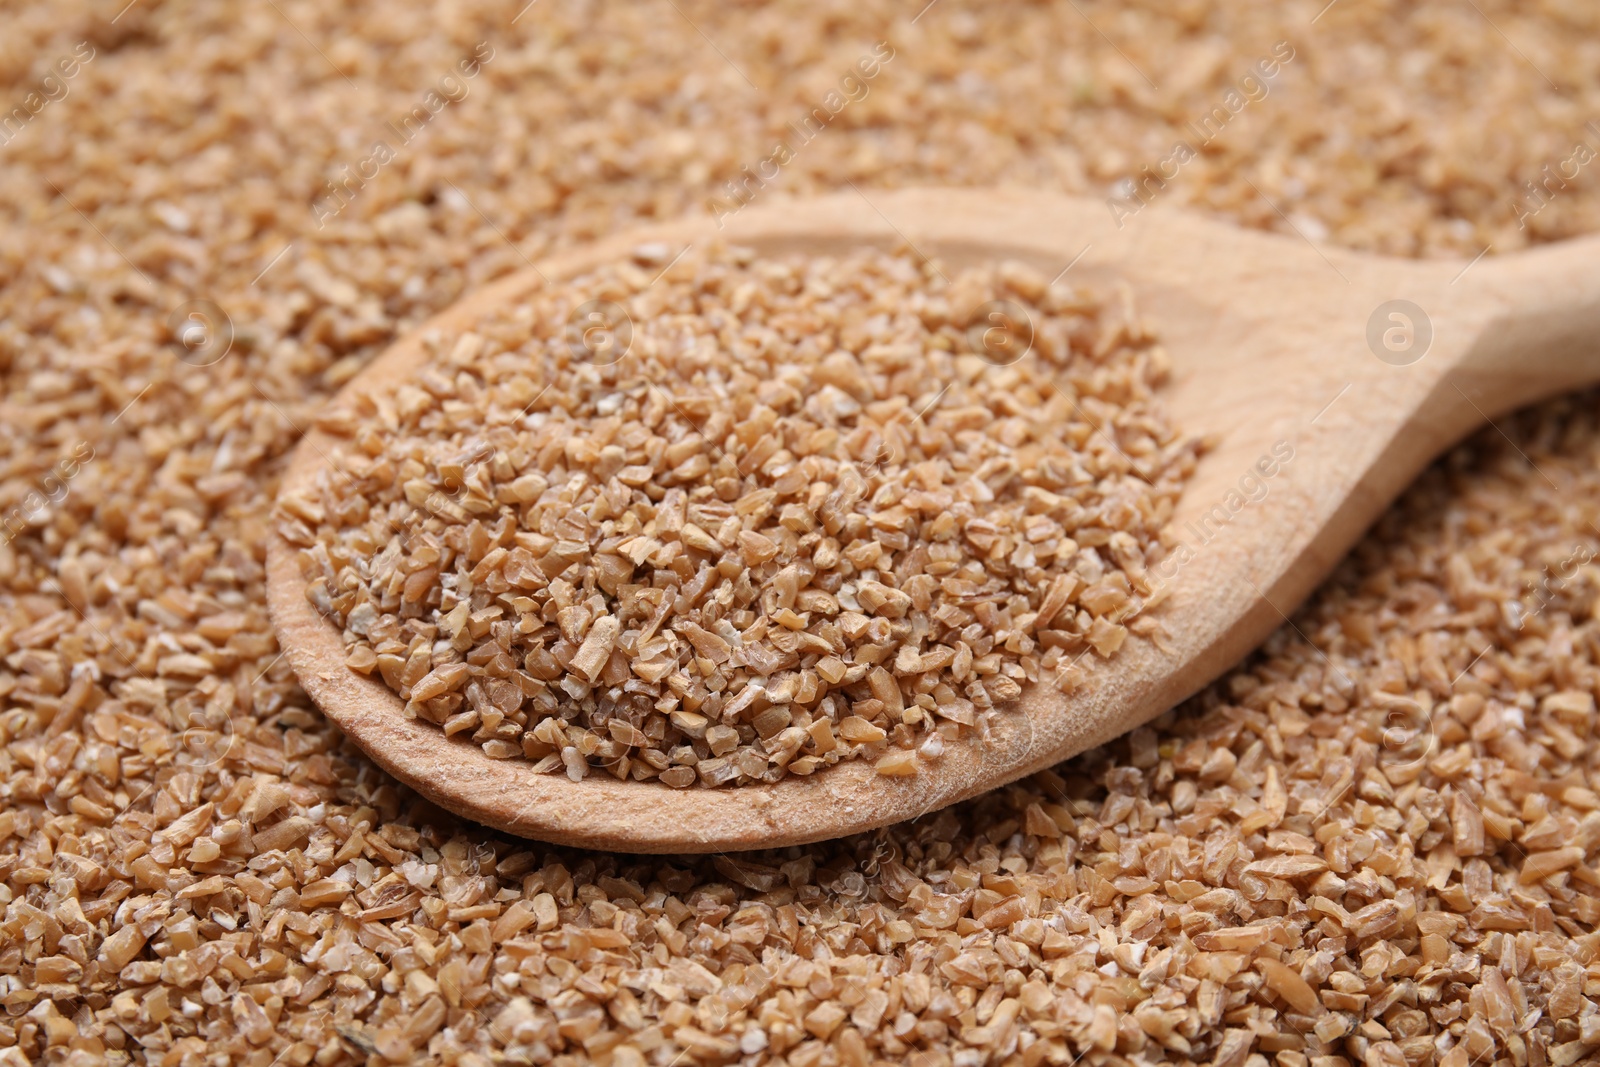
[193,143]
[808,490]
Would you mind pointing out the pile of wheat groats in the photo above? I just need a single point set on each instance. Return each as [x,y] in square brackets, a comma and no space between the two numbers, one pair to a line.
[795,511]
[194,868]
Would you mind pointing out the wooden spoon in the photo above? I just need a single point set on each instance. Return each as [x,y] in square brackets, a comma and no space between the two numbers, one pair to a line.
[1325,398]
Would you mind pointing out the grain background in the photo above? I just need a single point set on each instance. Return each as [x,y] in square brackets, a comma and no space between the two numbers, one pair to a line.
[1373,843]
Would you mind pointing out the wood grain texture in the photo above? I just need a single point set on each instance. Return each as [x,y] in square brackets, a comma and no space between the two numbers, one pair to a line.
[1268,339]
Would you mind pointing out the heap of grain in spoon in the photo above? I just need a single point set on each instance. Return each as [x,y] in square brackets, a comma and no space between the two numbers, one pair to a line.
[744,518]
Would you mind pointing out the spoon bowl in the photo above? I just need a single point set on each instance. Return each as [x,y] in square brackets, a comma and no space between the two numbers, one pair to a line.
[1326,379]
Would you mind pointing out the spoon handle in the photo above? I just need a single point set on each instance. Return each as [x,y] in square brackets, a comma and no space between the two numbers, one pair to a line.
[1542,334]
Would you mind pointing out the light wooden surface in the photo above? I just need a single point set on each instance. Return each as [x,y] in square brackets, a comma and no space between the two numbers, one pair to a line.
[1268,338]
